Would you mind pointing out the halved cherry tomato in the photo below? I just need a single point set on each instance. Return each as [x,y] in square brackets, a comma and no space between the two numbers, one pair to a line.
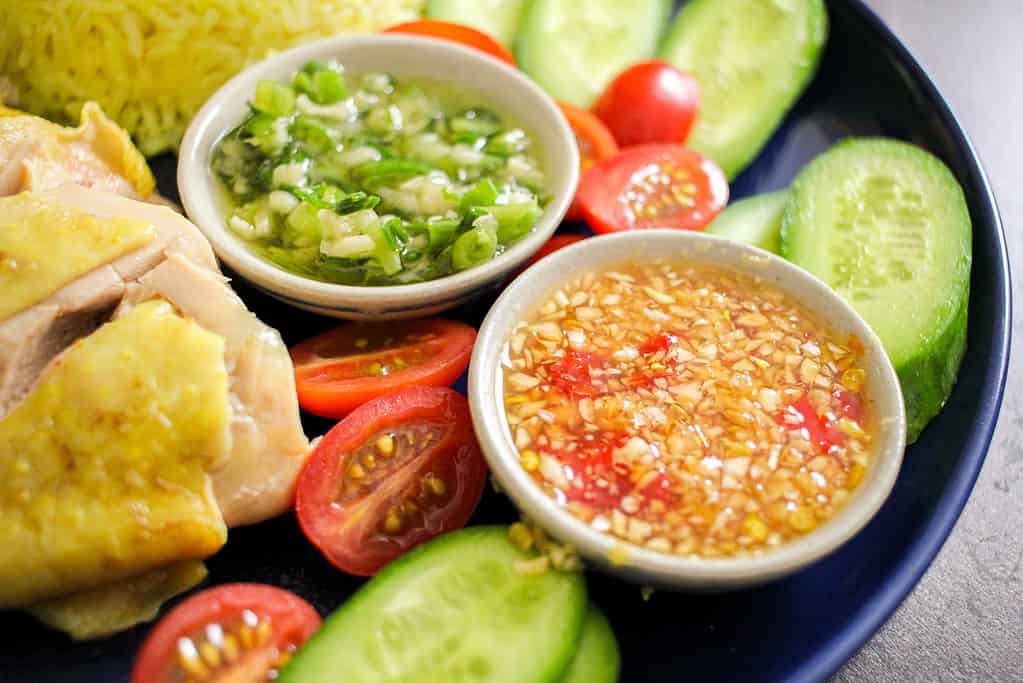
[398,471]
[339,370]
[651,102]
[595,144]
[456,33]
[237,632]
[653,186]
[551,246]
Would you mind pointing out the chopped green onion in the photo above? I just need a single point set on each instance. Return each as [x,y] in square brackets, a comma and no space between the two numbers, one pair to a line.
[259,124]
[441,232]
[302,227]
[479,122]
[514,220]
[390,231]
[482,194]
[302,82]
[314,66]
[508,144]
[387,172]
[473,248]
[306,196]
[276,99]
[386,256]
[314,134]
[328,87]
[356,201]
[332,194]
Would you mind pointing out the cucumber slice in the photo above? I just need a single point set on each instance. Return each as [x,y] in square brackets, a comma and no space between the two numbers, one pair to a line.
[597,660]
[752,60]
[499,18]
[886,225]
[573,48]
[755,220]
[454,609]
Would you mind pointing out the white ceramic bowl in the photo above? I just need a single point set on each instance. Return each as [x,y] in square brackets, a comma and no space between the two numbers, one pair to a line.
[497,85]
[645,566]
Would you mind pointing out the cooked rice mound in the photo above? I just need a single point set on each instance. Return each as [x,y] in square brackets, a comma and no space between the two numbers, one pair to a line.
[152,63]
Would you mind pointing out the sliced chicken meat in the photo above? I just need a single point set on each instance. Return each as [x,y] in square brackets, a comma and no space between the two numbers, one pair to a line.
[268,444]
[38,155]
[34,334]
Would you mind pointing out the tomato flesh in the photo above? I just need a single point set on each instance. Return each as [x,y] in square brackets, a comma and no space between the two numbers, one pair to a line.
[653,186]
[235,632]
[651,102]
[456,33]
[595,143]
[340,370]
[396,472]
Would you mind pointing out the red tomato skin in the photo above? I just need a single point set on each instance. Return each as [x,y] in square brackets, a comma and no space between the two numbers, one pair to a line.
[321,518]
[600,188]
[595,141]
[335,399]
[456,33]
[294,621]
[650,102]
[550,246]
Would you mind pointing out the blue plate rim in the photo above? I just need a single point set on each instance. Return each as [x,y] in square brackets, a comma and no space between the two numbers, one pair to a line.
[873,615]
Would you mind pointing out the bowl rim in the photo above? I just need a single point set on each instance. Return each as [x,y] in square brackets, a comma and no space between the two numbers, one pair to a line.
[198,194]
[661,568]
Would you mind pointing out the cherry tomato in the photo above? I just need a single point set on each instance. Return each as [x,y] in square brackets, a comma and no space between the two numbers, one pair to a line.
[595,144]
[653,186]
[398,471]
[456,33]
[237,632]
[550,246]
[340,370]
[651,102]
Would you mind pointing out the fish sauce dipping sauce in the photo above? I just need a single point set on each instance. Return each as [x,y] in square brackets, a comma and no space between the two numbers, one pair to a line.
[686,411]
[370,178]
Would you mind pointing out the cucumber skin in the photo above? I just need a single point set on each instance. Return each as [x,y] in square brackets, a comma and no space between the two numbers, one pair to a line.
[927,379]
[819,31]
[292,673]
[597,659]
[523,53]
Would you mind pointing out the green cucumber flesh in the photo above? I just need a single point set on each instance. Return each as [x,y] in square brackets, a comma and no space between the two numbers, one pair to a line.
[498,18]
[886,225]
[454,609]
[752,60]
[573,48]
[597,660]
[755,220]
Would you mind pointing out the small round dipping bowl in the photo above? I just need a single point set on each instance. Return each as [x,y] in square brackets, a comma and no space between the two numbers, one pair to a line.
[648,567]
[498,86]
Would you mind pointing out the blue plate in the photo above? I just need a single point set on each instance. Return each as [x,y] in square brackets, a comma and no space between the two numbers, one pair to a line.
[798,629]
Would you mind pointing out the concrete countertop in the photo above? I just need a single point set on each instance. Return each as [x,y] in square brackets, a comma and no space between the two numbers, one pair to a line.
[964,621]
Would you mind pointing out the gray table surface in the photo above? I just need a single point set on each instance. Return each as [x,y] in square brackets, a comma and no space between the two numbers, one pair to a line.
[964,621]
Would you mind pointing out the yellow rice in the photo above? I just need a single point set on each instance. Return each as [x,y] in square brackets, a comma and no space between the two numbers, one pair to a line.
[152,63]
